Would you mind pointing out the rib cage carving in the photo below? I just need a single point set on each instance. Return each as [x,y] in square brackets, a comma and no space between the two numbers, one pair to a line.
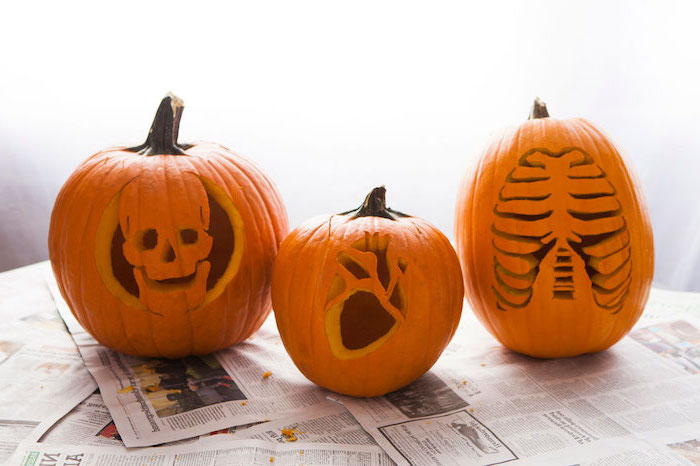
[556,206]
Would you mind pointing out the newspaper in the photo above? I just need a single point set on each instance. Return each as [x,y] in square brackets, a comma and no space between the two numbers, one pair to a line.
[667,305]
[154,401]
[484,404]
[637,403]
[91,424]
[42,375]
[237,452]
[620,451]
[329,423]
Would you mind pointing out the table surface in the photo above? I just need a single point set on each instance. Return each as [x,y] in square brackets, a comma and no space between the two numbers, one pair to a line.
[23,291]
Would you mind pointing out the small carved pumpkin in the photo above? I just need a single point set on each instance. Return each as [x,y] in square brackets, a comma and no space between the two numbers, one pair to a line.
[366,301]
[554,238]
[166,249]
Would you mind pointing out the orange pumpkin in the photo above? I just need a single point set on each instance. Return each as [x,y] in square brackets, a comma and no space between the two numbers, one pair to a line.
[554,239]
[367,300]
[166,249]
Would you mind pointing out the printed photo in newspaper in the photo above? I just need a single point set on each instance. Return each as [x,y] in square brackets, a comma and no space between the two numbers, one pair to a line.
[678,341]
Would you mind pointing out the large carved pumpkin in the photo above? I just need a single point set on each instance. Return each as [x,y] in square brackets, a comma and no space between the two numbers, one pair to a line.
[554,239]
[166,249]
[366,301]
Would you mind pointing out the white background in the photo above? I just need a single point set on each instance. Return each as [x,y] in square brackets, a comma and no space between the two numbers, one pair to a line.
[332,98]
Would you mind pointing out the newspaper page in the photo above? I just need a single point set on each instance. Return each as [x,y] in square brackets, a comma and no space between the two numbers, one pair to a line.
[618,451]
[484,404]
[238,452]
[91,424]
[23,291]
[329,423]
[42,375]
[667,305]
[154,401]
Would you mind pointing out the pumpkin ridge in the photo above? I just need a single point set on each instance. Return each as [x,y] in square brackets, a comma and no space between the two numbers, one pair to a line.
[252,232]
[86,182]
[127,341]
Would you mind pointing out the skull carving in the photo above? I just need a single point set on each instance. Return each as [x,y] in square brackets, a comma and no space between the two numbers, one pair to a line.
[167,246]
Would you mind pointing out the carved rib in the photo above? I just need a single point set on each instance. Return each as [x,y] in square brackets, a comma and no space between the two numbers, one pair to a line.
[524,235]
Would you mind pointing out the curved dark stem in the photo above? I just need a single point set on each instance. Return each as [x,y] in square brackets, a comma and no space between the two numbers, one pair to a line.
[375,203]
[375,206]
[539,110]
[162,138]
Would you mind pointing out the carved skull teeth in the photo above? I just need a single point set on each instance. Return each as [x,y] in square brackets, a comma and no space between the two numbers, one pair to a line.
[537,224]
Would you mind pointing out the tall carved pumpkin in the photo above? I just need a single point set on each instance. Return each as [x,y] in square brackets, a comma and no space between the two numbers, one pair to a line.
[366,301]
[166,249]
[554,239]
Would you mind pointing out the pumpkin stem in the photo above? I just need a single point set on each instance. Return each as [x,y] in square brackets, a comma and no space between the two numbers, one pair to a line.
[375,206]
[162,138]
[539,110]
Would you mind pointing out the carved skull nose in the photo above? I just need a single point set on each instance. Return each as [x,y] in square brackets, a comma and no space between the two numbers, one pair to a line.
[169,255]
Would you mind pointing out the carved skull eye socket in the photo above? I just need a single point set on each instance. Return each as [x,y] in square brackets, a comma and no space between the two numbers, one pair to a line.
[188,236]
[149,240]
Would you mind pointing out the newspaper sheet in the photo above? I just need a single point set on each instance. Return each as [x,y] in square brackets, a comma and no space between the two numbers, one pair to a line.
[91,424]
[619,451]
[237,452]
[154,401]
[41,374]
[329,423]
[665,305]
[23,291]
[483,404]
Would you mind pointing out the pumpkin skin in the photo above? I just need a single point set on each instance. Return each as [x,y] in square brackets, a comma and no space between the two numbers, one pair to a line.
[166,250]
[554,238]
[366,301]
